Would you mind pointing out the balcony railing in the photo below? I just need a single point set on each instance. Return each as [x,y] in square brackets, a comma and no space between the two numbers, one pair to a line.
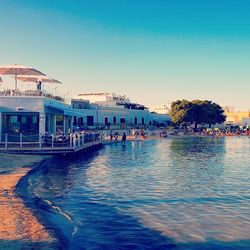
[17,92]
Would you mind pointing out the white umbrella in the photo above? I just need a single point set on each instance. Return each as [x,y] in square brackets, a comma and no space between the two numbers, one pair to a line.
[35,78]
[16,69]
[38,79]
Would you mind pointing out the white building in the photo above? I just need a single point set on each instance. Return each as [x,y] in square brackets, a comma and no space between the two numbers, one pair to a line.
[34,115]
[38,114]
[104,99]
[105,109]
[161,110]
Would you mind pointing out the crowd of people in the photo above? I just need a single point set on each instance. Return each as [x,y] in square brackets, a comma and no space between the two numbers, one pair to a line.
[226,132]
[61,139]
[136,134]
[140,134]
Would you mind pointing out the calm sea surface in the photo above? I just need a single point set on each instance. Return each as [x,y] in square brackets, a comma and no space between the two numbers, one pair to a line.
[169,194]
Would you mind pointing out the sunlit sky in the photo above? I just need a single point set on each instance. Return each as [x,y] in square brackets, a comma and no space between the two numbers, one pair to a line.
[154,51]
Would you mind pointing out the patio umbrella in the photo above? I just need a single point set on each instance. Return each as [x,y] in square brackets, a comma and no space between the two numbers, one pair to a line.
[35,78]
[17,69]
[38,79]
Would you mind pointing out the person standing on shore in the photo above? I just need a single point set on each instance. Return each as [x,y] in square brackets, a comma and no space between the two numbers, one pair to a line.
[111,135]
[124,138]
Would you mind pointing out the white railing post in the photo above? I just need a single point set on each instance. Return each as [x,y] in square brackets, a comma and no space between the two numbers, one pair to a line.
[74,140]
[82,140]
[40,141]
[6,141]
[70,140]
[52,141]
[21,139]
[78,138]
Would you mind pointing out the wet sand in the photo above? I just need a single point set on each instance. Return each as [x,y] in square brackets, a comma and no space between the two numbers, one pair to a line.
[19,227]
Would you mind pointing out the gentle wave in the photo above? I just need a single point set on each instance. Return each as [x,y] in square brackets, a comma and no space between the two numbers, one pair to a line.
[58,209]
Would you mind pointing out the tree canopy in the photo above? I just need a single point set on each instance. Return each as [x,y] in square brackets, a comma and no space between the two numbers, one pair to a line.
[184,112]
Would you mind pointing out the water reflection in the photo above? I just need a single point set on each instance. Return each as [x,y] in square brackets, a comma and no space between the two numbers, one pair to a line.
[181,193]
[200,206]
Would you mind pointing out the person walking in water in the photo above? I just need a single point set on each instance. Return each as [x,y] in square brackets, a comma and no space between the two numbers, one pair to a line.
[124,138]
[111,135]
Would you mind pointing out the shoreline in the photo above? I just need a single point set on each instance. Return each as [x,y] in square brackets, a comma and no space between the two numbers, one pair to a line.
[107,141]
[36,229]
[20,225]
[39,206]
[170,136]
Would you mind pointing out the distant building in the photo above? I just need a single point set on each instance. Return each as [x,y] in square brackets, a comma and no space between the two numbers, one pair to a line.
[241,117]
[236,118]
[228,109]
[161,110]
[111,110]
[104,99]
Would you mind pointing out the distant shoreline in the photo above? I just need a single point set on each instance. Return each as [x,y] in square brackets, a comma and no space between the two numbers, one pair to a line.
[156,137]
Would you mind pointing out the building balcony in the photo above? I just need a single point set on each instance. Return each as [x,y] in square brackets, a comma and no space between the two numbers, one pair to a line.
[31,93]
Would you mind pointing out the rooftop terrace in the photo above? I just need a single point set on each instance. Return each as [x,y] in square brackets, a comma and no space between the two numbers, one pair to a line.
[33,93]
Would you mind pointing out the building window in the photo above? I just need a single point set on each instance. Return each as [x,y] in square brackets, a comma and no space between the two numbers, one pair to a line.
[90,120]
[13,119]
[122,121]
[80,121]
[24,119]
[114,120]
[142,121]
[106,120]
[136,121]
[12,124]
[34,119]
[75,121]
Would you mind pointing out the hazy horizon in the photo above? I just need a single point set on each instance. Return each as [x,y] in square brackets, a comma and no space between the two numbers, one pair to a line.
[155,52]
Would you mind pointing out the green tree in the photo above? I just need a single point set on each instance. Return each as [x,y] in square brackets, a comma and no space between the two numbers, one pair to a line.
[180,112]
[196,112]
[214,113]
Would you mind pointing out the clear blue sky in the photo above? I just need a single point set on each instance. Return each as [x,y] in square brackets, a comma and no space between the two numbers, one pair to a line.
[155,51]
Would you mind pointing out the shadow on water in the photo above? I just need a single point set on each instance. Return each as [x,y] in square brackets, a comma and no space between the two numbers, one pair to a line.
[102,226]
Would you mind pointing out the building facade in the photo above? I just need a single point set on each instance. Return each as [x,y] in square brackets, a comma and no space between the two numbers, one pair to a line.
[241,118]
[112,110]
[34,115]
[39,115]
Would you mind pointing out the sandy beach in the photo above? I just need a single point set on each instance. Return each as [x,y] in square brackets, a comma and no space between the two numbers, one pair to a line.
[19,227]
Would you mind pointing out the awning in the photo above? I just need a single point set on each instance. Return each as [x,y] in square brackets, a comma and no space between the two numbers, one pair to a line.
[67,112]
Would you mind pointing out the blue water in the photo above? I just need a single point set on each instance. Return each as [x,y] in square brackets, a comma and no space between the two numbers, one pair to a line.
[169,194]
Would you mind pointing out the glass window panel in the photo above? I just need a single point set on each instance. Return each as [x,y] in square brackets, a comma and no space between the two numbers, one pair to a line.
[24,119]
[13,119]
[34,119]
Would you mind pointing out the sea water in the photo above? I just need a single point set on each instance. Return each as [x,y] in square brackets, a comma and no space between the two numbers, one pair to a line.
[190,193]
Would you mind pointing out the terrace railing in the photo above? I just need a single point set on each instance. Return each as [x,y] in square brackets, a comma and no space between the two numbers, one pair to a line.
[38,93]
[72,141]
